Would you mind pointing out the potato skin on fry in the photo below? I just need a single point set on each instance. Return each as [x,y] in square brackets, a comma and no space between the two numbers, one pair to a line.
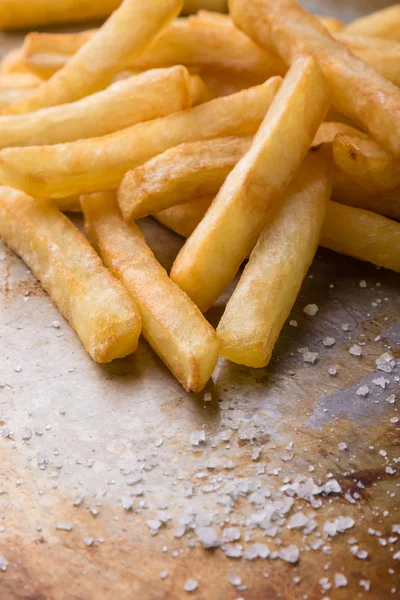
[100,163]
[214,252]
[172,323]
[271,280]
[125,34]
[183,173]
[363,235]
[139,98]
[90,298]
[357,89]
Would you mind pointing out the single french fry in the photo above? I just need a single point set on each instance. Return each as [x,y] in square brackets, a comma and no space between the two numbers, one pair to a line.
[199,92]
[125,34]
[184,218]
[139,98]
[90,298]
[10,96]
[332,24]
[383,23]
[223,82]
[13,81]
[14,62]
[212,255]
[366,162]
[363,235]
[172,323]
[271,280]
[184,42]
[98,164]
[356,88]
[19,14]
[383,55]
[181,174]
[328,131]
[348,191]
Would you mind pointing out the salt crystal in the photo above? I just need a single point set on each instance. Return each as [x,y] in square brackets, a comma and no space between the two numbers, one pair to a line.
[363,283]
[163,574]
[208,537]
[64,526]
[153,524]
[310,357]
[88,541]
[289,554]
[27,434]
[385,362]
[3,563]
[342,446]
[55,324]
[311,309]
[297,520]
[207,397]
[329,341]
[293,323]
[231,534]
[190,585]
[381,381]
[363,391]
[340,580]
[332,371]
[366,584]
[355,350]
[234,579]
[391,399]
[233,550]
[197,437]
[127,502]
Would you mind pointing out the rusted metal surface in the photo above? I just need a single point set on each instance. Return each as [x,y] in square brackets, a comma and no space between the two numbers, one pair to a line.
[70,428]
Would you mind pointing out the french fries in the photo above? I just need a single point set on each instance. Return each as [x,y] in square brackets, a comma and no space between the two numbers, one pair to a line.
[172,324]
[330,23]
[382,55]
[184,218]
[271,280]
[348,191]
[125,34]
[139,98]
[212,255]
[194,45]
[14,62]
[328,131]
[199,92]
[363,235]
[383,23]
[94,302]
[211,5]
[99,164]
[19,14]
[357,90]
[178,175]
[366,162]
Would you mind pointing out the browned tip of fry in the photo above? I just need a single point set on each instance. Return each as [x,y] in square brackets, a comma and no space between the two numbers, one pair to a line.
[90,298]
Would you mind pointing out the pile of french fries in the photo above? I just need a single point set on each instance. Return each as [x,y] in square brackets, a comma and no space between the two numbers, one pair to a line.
[257,135]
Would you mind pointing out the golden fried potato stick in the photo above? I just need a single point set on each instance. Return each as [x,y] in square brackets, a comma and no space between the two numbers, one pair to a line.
[124,35]
[98,164]
[271,280]
[357,90]
[68,204]
[15,86]
[199,91]
[180,174]
[328,131]
[14,62]
[332,24]
[214,252]
[90,298]
[139,98]
[363,235]
[348,230]
[382,55]
[183,42]
[184,218]
[383,23]
[348,191]
[172,323]
[366,162]
[22,14]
